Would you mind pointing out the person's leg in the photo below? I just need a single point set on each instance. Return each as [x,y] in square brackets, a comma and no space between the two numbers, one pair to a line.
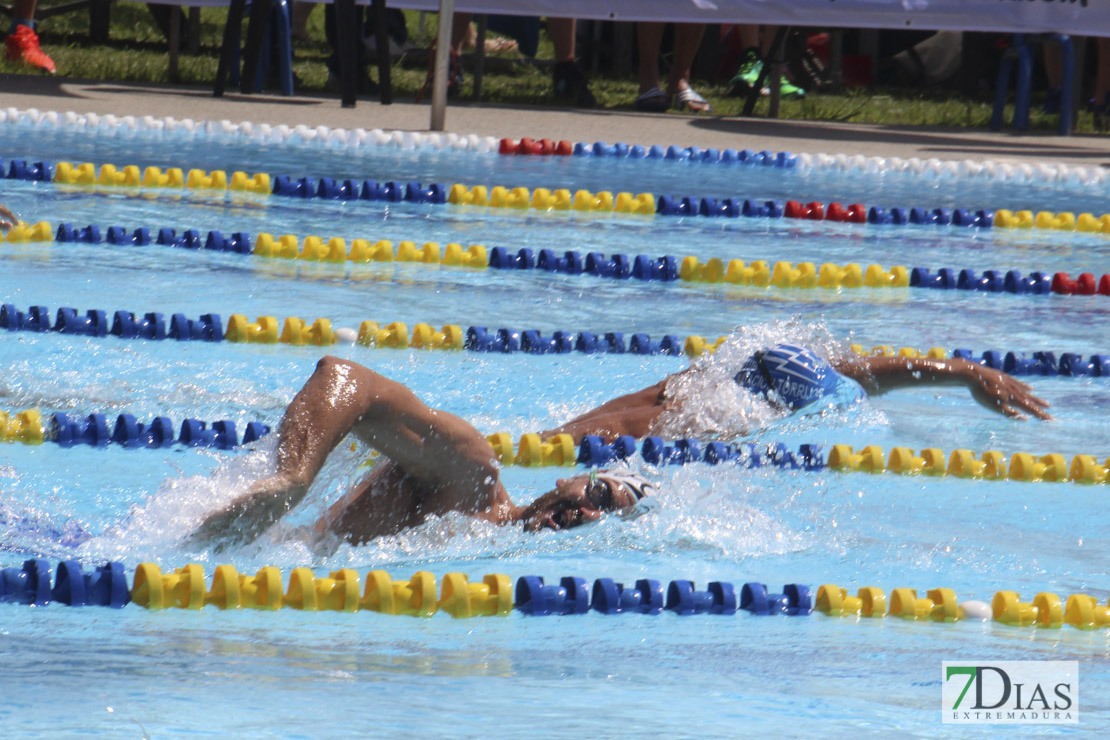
[1099,104]
[1102,78]
[1053,72]
[649,37]
[461,32]
[569,81]
[748,35]
[561,31]
[23,11]
[22,43]
[687,39]
[652,99]
[301,12]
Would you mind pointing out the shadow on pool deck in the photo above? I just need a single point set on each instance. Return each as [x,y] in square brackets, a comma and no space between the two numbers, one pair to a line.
[198,103]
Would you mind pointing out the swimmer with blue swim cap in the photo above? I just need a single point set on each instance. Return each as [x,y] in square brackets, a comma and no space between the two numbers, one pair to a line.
[795,379]
[433,462]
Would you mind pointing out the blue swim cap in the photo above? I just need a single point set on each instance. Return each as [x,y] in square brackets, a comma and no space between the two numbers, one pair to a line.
[797,376]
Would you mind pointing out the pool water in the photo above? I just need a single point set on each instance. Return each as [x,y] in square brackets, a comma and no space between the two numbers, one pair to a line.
[299,674]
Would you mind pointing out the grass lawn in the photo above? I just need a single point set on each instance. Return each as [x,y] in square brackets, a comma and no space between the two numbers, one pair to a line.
[137,52]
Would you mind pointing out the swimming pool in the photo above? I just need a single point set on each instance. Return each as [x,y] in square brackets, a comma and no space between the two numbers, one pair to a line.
[217,672]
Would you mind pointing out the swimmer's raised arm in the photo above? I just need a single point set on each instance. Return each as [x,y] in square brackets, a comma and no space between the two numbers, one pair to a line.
[994,389]
[632,414]
[443,454]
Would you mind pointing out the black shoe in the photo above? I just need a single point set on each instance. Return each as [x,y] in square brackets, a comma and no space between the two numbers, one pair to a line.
[1101,112]
[365,85]
[571,84]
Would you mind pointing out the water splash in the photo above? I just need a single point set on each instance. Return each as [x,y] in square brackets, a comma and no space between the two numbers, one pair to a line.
[708,404]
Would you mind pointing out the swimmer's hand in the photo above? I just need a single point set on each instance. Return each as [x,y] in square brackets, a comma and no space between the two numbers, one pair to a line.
[993,389]
[248,516]
[1001,392]
[7,219]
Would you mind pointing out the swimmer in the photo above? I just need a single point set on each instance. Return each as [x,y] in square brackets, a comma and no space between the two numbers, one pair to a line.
[432,463]
[793,378]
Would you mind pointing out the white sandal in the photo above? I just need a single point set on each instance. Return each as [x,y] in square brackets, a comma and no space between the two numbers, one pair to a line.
[687,99]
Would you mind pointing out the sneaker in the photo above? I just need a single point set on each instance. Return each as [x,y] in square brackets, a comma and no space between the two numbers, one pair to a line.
[22,45]
[789,91]
[748,74]
[570,84]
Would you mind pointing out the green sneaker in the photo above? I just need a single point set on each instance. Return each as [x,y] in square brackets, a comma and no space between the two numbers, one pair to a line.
[744,80]
[748,74]
[789,91]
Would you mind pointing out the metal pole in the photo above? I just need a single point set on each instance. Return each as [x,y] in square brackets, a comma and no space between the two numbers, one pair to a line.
[443,58]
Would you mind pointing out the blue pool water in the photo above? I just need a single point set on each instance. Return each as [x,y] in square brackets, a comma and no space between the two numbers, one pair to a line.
[68,672]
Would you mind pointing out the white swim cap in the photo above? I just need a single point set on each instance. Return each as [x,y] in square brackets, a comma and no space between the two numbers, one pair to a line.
[640,486]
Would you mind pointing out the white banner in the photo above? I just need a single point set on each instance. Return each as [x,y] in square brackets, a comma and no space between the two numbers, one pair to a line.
[1079,17]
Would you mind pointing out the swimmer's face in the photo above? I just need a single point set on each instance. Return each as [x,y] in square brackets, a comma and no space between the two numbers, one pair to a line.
[577,500]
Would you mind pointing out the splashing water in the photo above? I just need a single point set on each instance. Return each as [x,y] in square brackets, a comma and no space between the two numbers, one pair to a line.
[707,401]
[720,513]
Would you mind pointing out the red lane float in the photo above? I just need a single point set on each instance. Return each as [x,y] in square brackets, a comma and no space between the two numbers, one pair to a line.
[543,147]
[1083,285]
[815,211]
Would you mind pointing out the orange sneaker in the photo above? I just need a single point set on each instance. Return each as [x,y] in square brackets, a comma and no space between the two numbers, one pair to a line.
[22,45]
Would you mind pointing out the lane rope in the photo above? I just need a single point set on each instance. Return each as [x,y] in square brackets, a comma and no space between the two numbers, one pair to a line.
[295,331]
[342,591]
[783,274]
[533,450]
[129,176]
[95,430]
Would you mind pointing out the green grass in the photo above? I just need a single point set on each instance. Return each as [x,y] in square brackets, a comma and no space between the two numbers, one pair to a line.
[137,52]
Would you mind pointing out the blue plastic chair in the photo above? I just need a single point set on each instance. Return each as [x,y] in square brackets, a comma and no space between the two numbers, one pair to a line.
[1021,53]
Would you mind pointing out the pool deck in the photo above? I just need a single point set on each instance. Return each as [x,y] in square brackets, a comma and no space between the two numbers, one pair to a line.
[23,92]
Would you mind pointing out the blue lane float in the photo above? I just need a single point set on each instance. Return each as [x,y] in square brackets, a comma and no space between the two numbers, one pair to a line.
[105,586]
[570,596]
[94,431]
[593,451]
[125,324]
[794,601]
[610,597]
[1070,364]
[19,169]
[991,281]
[780,160]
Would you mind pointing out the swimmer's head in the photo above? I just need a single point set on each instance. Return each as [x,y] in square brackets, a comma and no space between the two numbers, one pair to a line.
[585,498]
[788,374]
